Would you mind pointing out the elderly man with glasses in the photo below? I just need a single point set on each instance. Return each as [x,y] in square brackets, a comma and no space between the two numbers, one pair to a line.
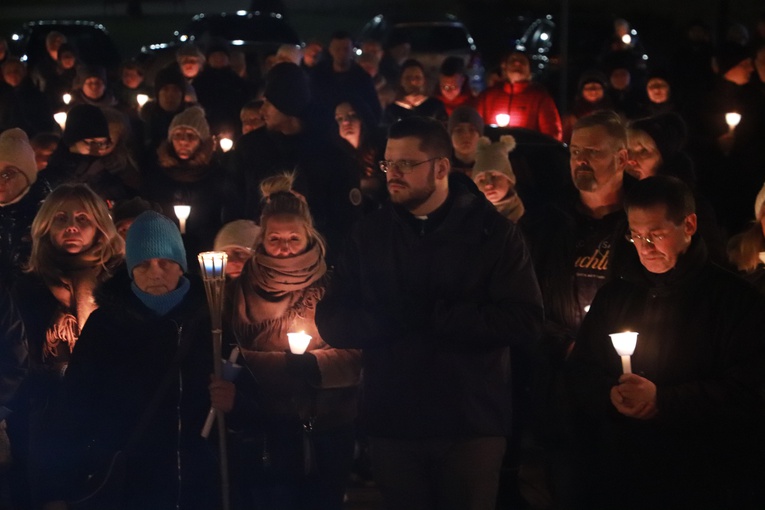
[685,428]
[438,289]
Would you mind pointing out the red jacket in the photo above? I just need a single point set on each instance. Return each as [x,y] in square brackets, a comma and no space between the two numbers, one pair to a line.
[528,104]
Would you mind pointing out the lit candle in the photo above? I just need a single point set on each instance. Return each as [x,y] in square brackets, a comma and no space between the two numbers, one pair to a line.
[182,212]
[626,38]
[298,342]
[66,98]
[226,144]
[60,118]
[213,264]
[141,99]
[502,119]
[732,119]
[624,343]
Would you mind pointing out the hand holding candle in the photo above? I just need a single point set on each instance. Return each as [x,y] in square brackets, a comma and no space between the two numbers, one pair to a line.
[230,371]
[625,343]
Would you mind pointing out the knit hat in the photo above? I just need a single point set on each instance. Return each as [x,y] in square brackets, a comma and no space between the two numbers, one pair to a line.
[287,88]
[16,150]
[668,131]
[465,114]
[189,50]
[192,118]
[494,156]
[593,76]
[759,202]
[238,233]
[170,75]
[85,121]
[153,236]
[85,71]
[731,54]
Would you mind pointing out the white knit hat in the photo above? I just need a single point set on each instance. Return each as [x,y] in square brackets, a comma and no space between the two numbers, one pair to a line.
[192,118]
[494,156]
[238,233]
[16,150]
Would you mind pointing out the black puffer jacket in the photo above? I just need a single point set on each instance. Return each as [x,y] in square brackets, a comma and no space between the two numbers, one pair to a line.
[437,306]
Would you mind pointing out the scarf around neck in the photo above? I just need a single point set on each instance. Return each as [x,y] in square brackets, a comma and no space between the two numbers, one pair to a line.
[281,276]
[161,305]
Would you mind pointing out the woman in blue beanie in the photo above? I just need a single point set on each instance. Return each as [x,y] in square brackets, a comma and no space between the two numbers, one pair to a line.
[146,316]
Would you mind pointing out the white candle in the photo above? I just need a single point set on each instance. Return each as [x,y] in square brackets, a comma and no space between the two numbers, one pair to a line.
[67,98]
[625,343]
[226,144]
[732,119]
[298,342]
[141,99]
[502,119]
[626,38]
[60,118]
[182,212]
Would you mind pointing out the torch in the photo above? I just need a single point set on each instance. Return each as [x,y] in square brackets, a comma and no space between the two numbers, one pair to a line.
[624,343]
[213,266]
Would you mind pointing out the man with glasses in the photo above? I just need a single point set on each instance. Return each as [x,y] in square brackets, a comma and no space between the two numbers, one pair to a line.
[685,428]
[437,288]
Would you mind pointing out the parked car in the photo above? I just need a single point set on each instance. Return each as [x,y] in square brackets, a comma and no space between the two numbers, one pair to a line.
[432,38]
[258,34]
[93,43]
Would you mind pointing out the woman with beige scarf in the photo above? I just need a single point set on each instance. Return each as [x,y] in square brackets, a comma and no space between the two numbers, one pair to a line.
[75,247]
[298,456]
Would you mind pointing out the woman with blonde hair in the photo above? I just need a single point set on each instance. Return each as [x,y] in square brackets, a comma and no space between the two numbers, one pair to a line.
[298,456]
[746,250]
[75,248]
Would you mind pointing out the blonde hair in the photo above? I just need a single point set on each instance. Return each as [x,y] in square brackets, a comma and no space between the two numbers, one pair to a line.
[110,249]
[744,248]
[286,203]
[276,183]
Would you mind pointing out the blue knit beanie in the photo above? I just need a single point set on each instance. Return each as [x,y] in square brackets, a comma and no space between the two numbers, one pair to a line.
[153,236]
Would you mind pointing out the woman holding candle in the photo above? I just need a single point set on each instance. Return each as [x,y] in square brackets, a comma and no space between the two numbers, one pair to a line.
[149,341]
[299,456]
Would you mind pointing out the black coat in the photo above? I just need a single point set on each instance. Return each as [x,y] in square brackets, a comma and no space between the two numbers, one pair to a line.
[436,307]
[13,347]
[116,367]
[702,342]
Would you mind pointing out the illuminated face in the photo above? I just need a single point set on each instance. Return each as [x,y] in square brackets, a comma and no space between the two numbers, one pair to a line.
[741,72]
[73,228]
[494,185]
[237,258]
[190,66]
[595,161]
[657,90]
[415,188]
[643,158]
[131,78]
[185,142]
[91,146]
[67,60]
[412,80]
[157,276]
[348,123]
[93,88]
[12,182]
[592,92]
[14,73]
[668,241]
[42,155]
[450,86]
[465,138]
[285,236]
[620,79]
[517,68]
[311,54]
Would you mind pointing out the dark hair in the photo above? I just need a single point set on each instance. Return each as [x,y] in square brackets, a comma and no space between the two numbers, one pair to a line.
[341,34]
[608,120]
[253,104]
[132,65]
[662,190]
[433,137]
[452,66]
[412,62]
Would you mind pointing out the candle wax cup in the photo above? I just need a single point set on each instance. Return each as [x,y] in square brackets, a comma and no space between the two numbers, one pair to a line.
[298,342]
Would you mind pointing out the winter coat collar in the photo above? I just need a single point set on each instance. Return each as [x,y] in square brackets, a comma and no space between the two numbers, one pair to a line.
[688,266]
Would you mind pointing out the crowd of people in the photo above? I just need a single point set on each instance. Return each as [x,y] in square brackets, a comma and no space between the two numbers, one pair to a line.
[458,290]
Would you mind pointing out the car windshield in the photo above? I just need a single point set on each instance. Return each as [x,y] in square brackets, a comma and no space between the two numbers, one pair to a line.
[431,38]
[243,28]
